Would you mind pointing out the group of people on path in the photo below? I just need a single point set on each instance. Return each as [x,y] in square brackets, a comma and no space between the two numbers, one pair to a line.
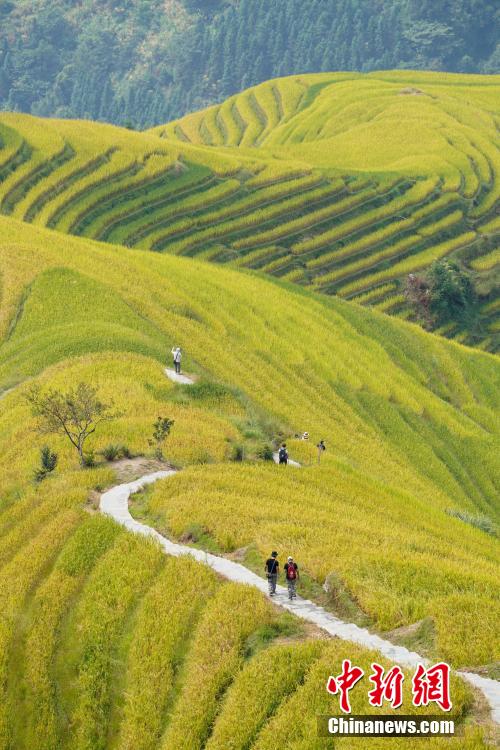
[291,569]
[283,450]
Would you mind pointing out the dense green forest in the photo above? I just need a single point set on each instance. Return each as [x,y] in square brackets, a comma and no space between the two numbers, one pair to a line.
[147,61]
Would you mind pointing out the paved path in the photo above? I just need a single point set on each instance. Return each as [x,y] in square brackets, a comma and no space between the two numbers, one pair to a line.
[177,377]
[114,503]
[291,462]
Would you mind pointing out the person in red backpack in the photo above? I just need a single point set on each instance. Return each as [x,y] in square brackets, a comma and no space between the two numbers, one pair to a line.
[292,576]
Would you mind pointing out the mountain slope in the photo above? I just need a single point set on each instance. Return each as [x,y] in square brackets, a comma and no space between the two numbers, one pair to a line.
[89,613]
[409,419]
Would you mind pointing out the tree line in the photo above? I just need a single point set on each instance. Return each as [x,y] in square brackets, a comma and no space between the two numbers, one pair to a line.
[144,62]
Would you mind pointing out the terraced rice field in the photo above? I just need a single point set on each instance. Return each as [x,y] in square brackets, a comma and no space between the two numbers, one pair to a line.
[339,182]
[432,138]
[104,642]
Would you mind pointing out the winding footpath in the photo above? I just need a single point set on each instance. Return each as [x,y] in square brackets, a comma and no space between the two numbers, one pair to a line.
[114,503]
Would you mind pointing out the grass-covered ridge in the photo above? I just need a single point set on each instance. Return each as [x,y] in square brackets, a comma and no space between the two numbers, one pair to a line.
[344,183]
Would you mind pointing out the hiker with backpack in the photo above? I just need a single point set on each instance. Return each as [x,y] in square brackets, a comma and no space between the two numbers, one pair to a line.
[272,569]
[292,575]
[177,355]
[283,455]
[321,449]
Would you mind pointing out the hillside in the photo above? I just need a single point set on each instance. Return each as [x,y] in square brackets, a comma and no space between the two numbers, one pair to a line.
[89,612]
[339,182]
[418,151]
[149,61]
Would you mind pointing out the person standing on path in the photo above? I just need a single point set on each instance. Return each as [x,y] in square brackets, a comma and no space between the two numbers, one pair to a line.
[283,455]
[292,575]
[272,569]
[177,355]
[321,449]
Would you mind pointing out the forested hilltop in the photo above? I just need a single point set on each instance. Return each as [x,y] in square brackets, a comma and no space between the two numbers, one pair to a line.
[143,62]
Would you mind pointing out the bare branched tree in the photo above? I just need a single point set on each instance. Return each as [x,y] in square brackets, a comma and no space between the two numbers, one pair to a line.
[75,414]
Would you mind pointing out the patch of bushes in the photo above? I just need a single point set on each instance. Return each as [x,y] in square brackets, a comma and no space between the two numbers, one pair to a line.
[238,453]
[205,390]
[203,457]
[266,453]
[111,452]
[48,462]
[115,451]
[88,460]
[445,294]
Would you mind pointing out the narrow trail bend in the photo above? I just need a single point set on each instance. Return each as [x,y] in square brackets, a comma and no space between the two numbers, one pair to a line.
[114,503]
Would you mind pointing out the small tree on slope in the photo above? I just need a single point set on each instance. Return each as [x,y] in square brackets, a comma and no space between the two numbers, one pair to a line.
[445,293]
[452,292]
[75,414]
[161,431]
[48,463]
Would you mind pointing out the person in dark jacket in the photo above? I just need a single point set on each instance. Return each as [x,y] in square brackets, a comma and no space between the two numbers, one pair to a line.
[283,455]
[272,567]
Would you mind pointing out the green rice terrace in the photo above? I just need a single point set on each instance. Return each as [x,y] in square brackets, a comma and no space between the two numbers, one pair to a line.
[310,179]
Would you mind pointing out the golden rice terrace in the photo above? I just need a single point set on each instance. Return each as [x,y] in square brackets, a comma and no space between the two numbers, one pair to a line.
[343,183]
